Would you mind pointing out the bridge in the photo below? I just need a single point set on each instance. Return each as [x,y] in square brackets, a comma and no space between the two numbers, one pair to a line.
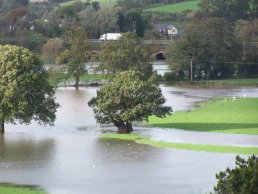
[157,47]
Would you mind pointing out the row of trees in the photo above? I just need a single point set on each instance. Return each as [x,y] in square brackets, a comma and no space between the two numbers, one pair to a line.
[217,42]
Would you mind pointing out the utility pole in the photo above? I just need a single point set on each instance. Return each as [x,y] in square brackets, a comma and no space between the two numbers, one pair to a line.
[134,27]
[191,70]
[244,49]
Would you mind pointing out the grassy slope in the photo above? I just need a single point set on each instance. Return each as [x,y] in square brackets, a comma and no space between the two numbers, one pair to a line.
[225,115]
[194,147]
[177,7]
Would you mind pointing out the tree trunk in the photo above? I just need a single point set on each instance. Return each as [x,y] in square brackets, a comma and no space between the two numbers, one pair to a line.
[123,128]
[77,79]
[129,127]
[1,127]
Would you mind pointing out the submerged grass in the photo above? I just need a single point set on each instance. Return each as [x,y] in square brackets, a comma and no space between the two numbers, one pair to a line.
[14,189]
[131,137]
[224,115]
[185,146]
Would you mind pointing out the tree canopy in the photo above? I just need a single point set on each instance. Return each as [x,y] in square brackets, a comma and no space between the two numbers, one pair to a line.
[126,98]
[77,54]
[242,179]
[209,43]
[25,93]
[127,53]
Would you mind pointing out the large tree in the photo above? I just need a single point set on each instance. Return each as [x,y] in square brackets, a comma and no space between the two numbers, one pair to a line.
[77,54]
[242,179]
[126,98]
[128,53]
[25,92]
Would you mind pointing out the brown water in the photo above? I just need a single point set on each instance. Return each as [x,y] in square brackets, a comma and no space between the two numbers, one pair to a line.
[69,158]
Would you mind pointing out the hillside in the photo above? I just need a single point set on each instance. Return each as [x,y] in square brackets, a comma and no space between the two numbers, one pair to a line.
[177,7]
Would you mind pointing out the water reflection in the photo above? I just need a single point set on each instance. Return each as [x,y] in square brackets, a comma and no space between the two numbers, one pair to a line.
[25,152]
[119,151]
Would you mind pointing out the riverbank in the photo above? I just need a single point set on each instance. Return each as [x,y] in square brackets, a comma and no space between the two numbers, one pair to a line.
[140,139]
[250,82]
[15,189]
[223,115]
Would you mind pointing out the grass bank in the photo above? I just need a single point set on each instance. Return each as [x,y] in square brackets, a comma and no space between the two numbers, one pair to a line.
[239,82]
[13,189]
[224,115]
[177,7]
[185,146]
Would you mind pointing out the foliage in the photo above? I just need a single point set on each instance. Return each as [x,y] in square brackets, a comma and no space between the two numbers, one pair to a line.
[25,92]
[232,10]
[209,43]
[77,54]
[51,49]
[227,115]
[8,5]
[104,21]
[169,76]
[127,98]
[127,53]
[242,179]
[126,20]
[29,39]
[247,35]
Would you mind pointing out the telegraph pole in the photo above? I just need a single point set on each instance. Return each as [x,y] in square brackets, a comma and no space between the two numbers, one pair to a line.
[191,70]
[134,27]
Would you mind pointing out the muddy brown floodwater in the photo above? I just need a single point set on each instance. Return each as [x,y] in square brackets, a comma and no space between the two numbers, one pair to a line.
[69,158]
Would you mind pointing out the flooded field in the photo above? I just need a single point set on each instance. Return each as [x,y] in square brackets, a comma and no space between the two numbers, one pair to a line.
[69,158]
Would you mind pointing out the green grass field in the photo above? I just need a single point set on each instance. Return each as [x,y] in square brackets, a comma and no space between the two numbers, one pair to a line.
[177,7]
[12,189]
[223,115]
[185,146]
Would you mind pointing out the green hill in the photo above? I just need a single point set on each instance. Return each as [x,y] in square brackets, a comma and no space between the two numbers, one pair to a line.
[177,7]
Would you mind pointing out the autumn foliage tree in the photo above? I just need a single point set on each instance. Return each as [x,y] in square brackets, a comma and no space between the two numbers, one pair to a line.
[77,54]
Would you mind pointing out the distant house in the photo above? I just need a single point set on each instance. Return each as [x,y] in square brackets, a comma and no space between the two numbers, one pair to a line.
[166,30]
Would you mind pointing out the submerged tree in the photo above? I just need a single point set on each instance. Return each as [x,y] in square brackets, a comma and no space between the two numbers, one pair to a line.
[126,98]
[25,92]
[77,55]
